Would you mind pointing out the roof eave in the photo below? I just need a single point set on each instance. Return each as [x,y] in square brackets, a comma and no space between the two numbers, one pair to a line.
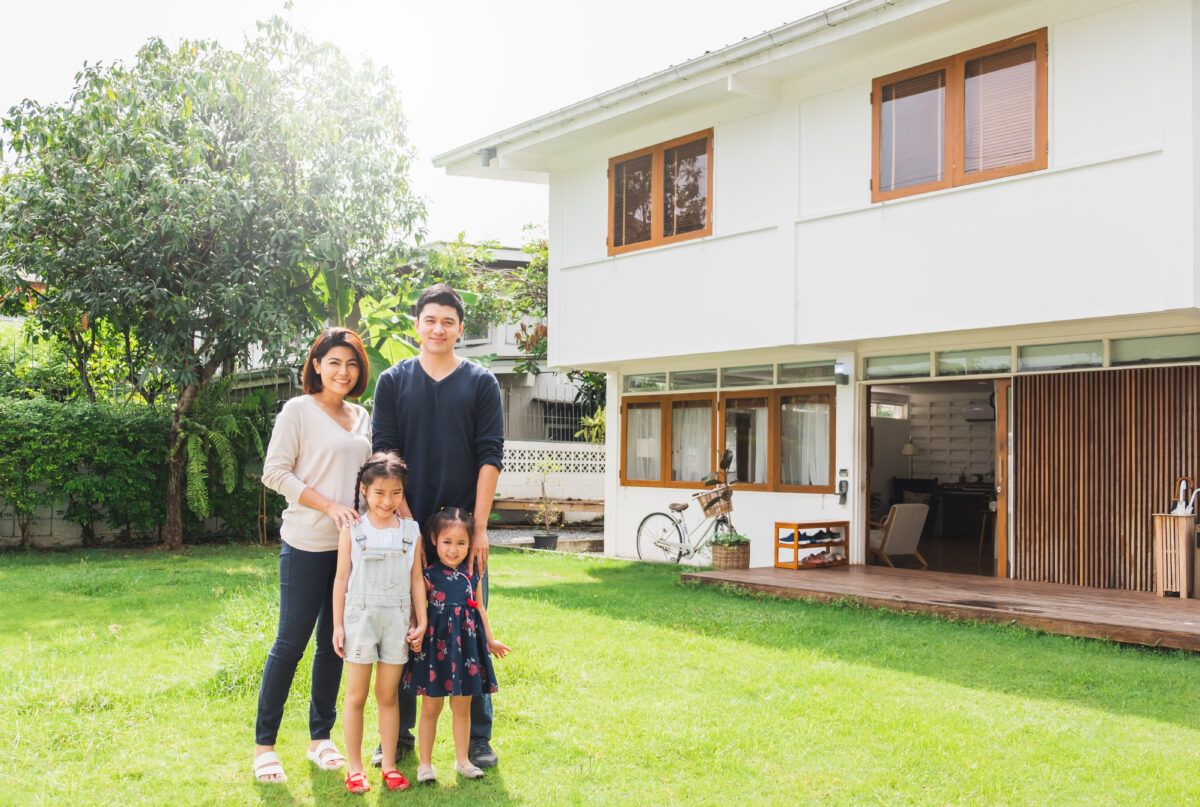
[496,155]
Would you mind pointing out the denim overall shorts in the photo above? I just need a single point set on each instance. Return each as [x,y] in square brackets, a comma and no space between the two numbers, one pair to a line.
[378,594]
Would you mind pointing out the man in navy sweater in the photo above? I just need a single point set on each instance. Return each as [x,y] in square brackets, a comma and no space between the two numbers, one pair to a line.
[443,415]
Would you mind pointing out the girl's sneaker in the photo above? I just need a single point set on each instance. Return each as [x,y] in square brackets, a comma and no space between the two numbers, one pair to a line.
[466,769]
[426,773]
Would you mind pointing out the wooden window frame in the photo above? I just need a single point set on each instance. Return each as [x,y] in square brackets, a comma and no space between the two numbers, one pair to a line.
[774,430]
[656,192]
[664,432]
[720,401]
[952,173]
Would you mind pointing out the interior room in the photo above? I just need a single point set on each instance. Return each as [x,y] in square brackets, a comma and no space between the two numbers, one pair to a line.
[934,444]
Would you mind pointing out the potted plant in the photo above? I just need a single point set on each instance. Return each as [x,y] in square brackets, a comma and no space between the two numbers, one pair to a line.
[548,514]
[731,550]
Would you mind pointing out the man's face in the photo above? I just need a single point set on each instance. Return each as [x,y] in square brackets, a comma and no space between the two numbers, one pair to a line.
[438,328]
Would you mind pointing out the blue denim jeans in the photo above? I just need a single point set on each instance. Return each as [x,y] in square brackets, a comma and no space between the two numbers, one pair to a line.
[481,706]
[305,601]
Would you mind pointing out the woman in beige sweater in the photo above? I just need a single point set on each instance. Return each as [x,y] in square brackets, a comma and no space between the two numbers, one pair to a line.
[317,446]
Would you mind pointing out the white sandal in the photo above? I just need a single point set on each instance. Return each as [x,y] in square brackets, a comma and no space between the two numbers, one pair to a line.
[267,764]
[325,760]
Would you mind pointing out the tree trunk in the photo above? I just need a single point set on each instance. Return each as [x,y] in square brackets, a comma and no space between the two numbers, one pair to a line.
[177,456]
[177,460]
[173,529]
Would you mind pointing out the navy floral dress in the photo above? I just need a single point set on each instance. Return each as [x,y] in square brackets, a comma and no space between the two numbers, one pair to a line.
[454,658]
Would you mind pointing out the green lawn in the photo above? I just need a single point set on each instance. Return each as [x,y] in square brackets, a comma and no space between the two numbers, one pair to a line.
[131,678]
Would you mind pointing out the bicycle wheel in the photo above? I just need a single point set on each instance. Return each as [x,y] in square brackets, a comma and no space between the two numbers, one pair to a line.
[659,538]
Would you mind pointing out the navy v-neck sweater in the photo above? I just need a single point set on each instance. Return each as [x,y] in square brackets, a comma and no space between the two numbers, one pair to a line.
[445,431]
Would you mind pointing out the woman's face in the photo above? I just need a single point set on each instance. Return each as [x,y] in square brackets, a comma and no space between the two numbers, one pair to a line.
[338,370]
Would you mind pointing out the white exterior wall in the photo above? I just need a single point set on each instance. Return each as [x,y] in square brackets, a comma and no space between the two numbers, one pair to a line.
[1107,229]
[800,257]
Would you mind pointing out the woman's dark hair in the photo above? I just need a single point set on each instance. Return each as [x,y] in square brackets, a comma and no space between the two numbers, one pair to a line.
[380,465]
[327,341]
[441,520]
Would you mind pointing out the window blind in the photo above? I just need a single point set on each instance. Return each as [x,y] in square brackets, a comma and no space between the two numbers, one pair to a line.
[1001,109]
[685,188]
[912,131]
[631,200]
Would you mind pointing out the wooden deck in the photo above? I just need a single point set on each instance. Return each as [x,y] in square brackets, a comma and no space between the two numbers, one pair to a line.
[1121,616]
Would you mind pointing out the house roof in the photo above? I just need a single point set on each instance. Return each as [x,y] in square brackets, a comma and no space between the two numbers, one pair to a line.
[753,67]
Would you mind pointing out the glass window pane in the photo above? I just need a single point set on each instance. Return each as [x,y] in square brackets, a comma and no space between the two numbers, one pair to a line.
[971,362]
[912,131]
[645,382]
[804,439]
[913,364]
[631,201]
[746,437]
[694,379]
[685,188]
[1001,109]
[1151,349]
[1054,357]
[802,372]
[691,440]
[757,375]
[643,441]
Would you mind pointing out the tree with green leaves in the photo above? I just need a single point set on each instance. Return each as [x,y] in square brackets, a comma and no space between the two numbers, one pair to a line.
[204,200]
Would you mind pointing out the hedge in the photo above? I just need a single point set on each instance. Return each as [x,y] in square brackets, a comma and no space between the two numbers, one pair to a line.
[96,461]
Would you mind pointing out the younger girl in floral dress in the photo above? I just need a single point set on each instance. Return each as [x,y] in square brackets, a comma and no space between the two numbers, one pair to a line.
[455,661]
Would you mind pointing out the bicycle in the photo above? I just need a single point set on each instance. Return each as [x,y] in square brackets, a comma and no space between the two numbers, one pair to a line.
[666,536]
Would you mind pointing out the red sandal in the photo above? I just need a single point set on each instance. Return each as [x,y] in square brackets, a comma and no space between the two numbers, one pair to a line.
[356,783]
[394,780]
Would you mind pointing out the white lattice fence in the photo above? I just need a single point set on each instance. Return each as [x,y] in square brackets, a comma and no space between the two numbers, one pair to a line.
[581,477]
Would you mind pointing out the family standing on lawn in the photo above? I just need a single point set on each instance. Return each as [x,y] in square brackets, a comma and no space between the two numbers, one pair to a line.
[379,591]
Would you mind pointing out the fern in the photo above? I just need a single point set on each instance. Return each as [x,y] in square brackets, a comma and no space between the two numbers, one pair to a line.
[197,476]
[225,458]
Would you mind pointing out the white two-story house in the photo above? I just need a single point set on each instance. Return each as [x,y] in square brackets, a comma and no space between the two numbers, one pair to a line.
[930,250]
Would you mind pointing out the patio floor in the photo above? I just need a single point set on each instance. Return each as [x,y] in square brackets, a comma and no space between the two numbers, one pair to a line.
[1122,616]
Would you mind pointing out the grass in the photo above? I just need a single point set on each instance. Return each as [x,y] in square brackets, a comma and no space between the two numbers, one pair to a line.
[131,678]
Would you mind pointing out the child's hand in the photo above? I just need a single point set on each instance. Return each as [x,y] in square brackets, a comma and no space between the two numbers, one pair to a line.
[416,636]
[497,648]
[339,641]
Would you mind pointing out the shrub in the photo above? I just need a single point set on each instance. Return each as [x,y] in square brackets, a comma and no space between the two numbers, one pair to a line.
[98,461]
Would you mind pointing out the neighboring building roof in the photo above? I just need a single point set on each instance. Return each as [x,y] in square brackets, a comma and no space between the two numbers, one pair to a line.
[753,67]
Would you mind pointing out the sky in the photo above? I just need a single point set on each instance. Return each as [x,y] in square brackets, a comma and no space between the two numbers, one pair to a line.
[465,68]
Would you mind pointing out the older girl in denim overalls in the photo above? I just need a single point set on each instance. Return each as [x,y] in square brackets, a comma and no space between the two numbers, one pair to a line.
[378,611]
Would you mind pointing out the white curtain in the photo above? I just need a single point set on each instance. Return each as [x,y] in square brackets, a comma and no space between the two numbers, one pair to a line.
[804,434]
[691,442]
[643,448]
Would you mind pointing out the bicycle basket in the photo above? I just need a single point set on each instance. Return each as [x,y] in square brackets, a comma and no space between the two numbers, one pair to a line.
[716,502]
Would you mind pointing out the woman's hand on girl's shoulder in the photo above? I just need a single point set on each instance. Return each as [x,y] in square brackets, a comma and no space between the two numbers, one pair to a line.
[342,515]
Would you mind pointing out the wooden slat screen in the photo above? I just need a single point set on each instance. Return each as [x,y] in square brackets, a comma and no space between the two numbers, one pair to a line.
[1095,454]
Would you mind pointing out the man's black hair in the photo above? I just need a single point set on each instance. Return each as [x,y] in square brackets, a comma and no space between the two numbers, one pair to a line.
[441,294]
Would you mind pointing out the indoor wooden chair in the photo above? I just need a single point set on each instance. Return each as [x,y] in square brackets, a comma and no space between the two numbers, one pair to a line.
[899,532]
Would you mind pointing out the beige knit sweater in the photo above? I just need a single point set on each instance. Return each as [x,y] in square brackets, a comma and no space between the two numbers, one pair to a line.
[309,448]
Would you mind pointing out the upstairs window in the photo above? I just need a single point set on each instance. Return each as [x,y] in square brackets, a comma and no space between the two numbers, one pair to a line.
[660,195]
[975,116]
